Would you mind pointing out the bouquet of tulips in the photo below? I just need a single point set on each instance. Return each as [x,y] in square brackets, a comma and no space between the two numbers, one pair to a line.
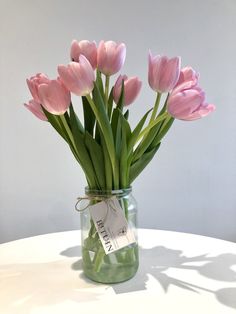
[110,152]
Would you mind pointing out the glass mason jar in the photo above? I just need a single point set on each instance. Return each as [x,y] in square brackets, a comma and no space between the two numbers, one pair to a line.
[117,266]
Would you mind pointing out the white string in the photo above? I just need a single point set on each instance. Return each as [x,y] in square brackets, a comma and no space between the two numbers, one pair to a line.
[79,199]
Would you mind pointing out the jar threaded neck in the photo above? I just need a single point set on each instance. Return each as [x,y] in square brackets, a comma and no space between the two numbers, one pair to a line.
[108,193]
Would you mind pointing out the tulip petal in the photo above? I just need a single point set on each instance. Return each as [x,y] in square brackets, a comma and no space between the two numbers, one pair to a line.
[184,103]
[132,88]
[202,111]
[34,82]
[78,77]
[55,97]
[86,48]
[36,109]
[170,74]
[110,56]
[163,73]
[187,74]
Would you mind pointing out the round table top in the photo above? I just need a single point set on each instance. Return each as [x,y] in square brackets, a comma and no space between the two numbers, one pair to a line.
[178,273]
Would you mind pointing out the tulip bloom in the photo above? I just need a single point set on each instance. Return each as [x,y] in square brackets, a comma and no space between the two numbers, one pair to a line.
[36,109]
[34,82]
[187,74]
[111,57]
[132,88]
[86,48]
[188,102]
[163,73]
[54,97]
[78,77]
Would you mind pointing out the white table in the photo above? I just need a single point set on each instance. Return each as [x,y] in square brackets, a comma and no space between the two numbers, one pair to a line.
[179,273]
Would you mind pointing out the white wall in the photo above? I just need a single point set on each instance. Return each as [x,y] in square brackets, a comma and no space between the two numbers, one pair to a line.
[190,185]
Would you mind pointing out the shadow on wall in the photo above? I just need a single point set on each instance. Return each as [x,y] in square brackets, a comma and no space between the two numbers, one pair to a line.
[46,286]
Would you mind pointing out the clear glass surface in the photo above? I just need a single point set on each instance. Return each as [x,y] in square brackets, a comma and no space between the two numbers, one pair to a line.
[117,266]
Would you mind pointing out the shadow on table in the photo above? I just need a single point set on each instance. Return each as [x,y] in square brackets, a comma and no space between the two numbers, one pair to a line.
[157,260]
[27,286]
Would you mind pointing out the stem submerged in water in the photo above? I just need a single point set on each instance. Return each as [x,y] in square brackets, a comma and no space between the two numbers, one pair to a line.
[98,259]
[100,267]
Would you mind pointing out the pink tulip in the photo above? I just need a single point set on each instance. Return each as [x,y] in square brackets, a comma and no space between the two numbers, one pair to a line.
[132,88]
[34,82]
[36,109]
[187,74]
[163,73]
[111,57]
[78,77]
[86,48]
[188,103]
[54,97]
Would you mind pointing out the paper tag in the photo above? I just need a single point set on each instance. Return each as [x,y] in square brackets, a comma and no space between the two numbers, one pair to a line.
[111,225]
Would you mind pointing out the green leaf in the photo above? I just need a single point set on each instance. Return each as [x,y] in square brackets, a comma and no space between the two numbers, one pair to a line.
[53,120]
[97,133]
[66,130]
[56,123]
[152,123]
[82,152]
[89,117]
[107,164]
[136,132]
[126,114]
[110,104]
[146,142]
[123,134]
[98,107]
[96,156]
[72,112]
[118,135]
[141,163]
[123,157]
[100,84]
[163,130]
[119,121]
[126,125]
[66,115]
[114,122]
[120,103]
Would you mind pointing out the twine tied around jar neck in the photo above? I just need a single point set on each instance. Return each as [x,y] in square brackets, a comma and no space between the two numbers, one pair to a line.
[94,197]
[79,199]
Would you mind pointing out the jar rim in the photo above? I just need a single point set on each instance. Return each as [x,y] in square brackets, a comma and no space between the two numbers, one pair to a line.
[118,192]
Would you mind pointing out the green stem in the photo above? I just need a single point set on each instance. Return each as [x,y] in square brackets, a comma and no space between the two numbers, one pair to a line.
[125,206]
[154,111]
[107,89]
[151,125]
[70,140]
[107,164]
[68,130]
[98,258]
[164,106]
[155,108]
[107,133]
